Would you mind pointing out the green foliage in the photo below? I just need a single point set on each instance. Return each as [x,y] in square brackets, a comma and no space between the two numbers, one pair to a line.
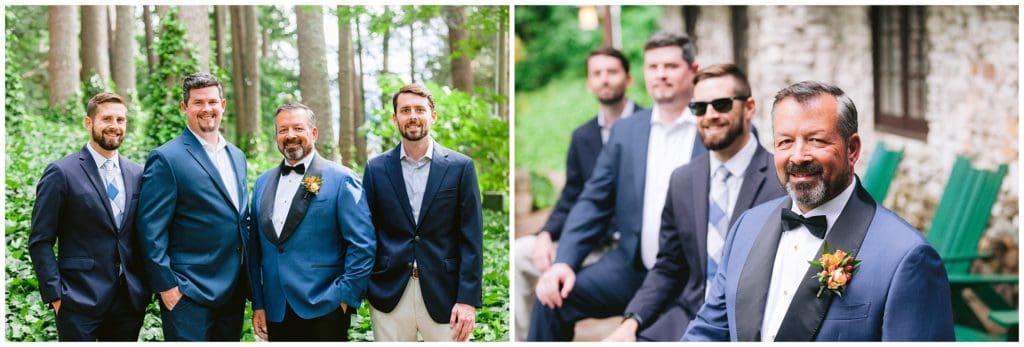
[542,191]
[27,45]
[162,94]
[482,23]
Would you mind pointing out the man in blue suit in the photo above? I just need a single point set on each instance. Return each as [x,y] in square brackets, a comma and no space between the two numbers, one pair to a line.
[765,290]
[703,197]
[86,203]
[607,78]
[192,222]
[313,240]
[425,203]
[630,181]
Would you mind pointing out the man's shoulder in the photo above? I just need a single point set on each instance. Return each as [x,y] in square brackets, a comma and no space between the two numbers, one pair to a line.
[452,156]
[899,234]
[697,168]
[587,129]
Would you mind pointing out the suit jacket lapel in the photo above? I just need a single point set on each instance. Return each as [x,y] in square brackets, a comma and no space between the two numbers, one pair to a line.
[753,180]
[93,174]
[394,168]
[238,164]
[195,148]
[806,312]
[438,168]
[267,204]
[701,194]
[752,288]
[642,139]
[129,189]
[300,202]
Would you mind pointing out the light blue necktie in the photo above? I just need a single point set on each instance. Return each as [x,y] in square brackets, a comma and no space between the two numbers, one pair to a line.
[113,191]
[718,221]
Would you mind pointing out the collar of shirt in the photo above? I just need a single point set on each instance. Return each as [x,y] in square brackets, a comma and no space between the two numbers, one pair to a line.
[626,112]
[830,209]
[737,165]
[212,148]
[100,159]
[427,156]
[686,118]
[305,160]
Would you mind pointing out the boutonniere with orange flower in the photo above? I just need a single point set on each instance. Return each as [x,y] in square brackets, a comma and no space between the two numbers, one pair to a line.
[837,268]
[312,185]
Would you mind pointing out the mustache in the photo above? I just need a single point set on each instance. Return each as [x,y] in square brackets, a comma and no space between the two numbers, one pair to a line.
[810,168]
[292,141]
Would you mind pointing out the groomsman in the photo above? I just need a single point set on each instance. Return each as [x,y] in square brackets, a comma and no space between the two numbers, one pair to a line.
[313,240]
[425,203]
[85,203]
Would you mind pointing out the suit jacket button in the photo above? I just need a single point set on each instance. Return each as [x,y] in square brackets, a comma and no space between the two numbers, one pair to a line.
[409,264]
[416,239]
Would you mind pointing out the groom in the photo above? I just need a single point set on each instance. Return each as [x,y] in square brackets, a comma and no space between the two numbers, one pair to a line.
[766,291]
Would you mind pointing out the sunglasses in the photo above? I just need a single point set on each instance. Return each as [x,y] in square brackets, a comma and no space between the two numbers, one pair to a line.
[699,108]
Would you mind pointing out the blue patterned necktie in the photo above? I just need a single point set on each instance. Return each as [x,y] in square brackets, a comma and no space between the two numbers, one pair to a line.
[718,221]
[113,191]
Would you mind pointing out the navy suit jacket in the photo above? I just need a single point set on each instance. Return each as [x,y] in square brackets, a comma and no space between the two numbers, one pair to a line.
[192,234]
[616,188]
[446,244]
[324,254]
[673,290]
[579,165]
[899,293]
[72,210]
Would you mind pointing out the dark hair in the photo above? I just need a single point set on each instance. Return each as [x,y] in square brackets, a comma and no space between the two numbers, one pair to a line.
[611,52]
[199,80]
[102,98]
[294,106]
[414,88]
[809,90]
[720,70]
[669,39]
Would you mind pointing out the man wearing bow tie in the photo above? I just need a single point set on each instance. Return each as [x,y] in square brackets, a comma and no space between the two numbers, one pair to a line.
[85,203]
[765,290]
[313,241]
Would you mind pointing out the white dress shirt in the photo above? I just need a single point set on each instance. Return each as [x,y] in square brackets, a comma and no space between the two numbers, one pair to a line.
[415,174]
[117,178]
[796,248]
[668,147]
[286,188]
[218,154]
[607,130]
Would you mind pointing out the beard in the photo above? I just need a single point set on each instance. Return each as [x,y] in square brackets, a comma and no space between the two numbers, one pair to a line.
[205,127]
[807,193]
[613,99]
[734,132]
[296,152]
[108,143]
[407,133]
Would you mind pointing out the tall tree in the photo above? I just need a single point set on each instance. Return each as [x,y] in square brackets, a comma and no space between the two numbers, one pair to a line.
[63,56]
[123,58]
[313,82]
[220,23]
[357,75]
[386,38]
[462,68]
[147,20]
[346,89]
[95,43]
[412,52]
[197,31]
[503,57]
[246,76]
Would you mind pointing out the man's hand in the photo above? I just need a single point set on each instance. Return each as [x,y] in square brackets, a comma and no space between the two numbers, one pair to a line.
[555,285]
[170,298]
[259,324]
[626,332]
[543,251]
[56,307]
[461,321]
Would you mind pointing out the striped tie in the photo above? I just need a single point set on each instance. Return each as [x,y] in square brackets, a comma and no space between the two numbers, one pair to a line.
[112,191]
[718,221]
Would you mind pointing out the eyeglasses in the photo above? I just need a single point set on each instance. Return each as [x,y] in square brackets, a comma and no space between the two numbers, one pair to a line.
[722,105]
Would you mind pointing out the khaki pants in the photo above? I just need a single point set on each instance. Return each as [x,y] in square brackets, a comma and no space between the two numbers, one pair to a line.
[410,316]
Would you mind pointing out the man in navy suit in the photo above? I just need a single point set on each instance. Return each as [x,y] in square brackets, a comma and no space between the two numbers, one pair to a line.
[630,181]
[703,197]
[607,78]
[765,290]
[315,245]
[85,203]
[192,222]
[425,204]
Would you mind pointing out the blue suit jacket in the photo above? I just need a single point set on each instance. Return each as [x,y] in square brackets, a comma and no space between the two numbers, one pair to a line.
[673,290]
[192,234]
[325,251]
[616,188]
[446,244]
[899,293]
[72,210]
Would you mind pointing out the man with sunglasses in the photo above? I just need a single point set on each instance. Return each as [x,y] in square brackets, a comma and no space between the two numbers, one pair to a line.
[629,182]
[704,197]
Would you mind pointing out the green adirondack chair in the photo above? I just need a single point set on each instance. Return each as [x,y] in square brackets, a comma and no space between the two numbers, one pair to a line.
[881,171]
[958,225]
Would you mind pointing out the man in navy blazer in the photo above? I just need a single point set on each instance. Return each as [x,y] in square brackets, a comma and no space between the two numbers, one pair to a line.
[425,204]
[738,170]
[313,241]
[765,290]
[630,181]
[607,78]
[86,203]
[192,222]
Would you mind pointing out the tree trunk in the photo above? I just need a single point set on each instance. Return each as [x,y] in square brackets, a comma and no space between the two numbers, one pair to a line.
[147,20]
[359,119]
[245,77]
[265,43]
[95,43]
[347,92]
[462,68]
[63,62]
[313,84]
[196,20]
[123,59]
[220,13]
[412,52]
[503,56]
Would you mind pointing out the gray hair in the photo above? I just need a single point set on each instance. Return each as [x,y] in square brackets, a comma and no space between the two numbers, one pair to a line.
[295,106]
[669,39]
[809,90]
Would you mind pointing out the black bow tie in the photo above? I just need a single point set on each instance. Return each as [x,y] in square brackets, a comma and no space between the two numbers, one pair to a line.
[816,225]
[299,169]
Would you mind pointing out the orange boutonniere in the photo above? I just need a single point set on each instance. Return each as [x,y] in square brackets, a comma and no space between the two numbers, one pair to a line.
[312,185]
[837,268]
